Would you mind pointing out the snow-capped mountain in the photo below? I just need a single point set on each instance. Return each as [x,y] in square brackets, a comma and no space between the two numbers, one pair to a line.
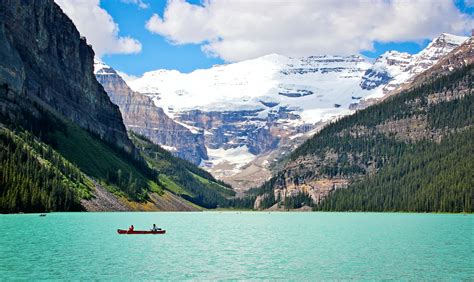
[247,109]
[314,88]
[254,106]
[393,68]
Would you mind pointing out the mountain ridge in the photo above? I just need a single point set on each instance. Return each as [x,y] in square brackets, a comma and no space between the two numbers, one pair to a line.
[285,101]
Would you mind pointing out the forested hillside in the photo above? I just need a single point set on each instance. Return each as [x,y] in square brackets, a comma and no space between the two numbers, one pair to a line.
[50,164]
[183,178]
[34,177]
[413,152]
[63,142]
[426,177]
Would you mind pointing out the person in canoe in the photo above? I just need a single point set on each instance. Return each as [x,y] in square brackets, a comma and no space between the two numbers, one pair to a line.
[155,228]
[131,228]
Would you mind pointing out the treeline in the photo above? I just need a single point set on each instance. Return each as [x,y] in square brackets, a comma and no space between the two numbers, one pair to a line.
[405,105]
[288,202]
[453,114]
[127,182]
[429,177]
[34,178]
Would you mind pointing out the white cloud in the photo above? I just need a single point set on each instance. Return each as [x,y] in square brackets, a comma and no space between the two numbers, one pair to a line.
[235,30]
[140,3]
[98,27]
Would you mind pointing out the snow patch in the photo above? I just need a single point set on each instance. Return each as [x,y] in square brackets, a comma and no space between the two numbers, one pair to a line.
[169,148]
[234,157]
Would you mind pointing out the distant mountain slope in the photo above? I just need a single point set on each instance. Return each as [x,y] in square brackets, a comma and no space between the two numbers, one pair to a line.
[412,152]
[63,143]
[253,112]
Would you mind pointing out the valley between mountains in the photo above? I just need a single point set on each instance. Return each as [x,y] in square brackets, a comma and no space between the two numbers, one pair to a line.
[323,132]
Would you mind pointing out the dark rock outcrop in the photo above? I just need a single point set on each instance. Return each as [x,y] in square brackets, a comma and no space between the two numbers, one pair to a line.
[44,59]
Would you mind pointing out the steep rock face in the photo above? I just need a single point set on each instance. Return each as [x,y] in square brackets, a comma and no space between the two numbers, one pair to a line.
[44,59]
[393,70]
[436,50]
[142,116]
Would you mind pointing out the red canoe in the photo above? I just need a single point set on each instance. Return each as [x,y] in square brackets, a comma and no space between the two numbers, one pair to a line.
[121,231]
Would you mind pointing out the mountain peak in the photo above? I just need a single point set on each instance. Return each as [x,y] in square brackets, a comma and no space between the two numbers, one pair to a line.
[101,68]
[450,39]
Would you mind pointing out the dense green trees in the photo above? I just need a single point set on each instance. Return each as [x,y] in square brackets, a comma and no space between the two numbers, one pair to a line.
[34,178]
[411,169]
[429,177]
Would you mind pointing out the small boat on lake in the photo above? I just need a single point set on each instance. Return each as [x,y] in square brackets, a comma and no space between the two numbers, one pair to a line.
[122,231]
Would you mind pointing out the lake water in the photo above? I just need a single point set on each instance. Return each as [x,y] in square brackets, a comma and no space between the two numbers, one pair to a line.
[244,245]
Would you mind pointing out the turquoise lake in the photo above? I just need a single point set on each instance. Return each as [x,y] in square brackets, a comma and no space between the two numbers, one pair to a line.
[238,245]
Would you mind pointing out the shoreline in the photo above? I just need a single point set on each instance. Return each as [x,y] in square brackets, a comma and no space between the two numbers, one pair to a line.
[240,211]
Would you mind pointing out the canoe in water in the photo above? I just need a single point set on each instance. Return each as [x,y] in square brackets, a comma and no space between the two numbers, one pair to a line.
[121,231]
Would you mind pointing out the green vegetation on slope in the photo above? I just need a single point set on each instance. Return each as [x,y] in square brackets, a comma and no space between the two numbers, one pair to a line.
[126,175]
[390,153]
[148,169]
[35,178]
[121,172]
[184,178]
[427,177]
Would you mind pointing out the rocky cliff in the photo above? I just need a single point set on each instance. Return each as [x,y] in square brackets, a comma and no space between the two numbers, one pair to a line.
[140,115]
[459,57]
[43,59]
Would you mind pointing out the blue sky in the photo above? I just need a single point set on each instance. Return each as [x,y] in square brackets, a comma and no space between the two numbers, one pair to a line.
[159,53]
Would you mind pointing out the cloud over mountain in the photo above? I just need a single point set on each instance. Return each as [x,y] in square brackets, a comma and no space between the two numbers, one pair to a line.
[98,27]
[237,30]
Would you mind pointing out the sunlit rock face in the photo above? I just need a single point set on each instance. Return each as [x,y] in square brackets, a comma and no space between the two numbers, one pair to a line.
[141,116]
